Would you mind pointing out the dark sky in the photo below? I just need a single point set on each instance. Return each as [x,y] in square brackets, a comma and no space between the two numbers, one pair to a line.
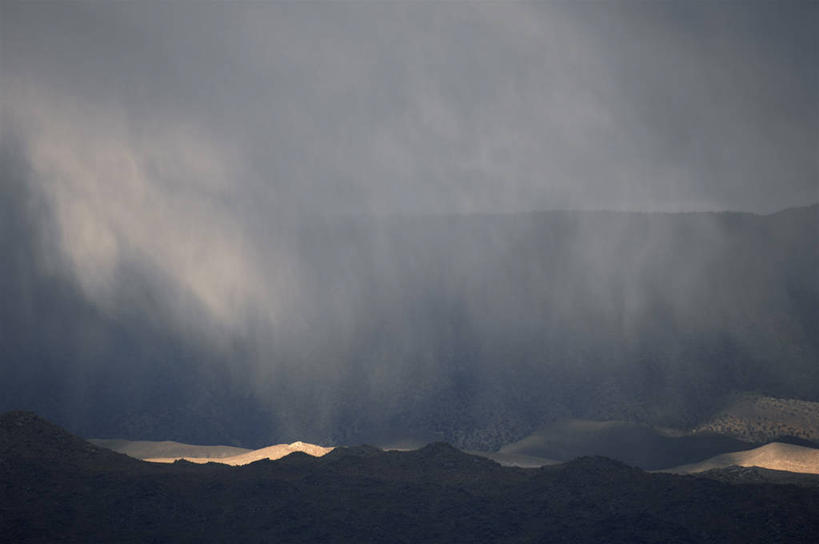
[200,167]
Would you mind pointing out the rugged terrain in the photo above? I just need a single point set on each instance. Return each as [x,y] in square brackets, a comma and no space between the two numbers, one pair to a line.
[59,488]
[761,419]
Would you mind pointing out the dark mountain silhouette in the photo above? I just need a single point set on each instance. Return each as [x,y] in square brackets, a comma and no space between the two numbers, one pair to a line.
[57,488]
[759,475]
[26,438]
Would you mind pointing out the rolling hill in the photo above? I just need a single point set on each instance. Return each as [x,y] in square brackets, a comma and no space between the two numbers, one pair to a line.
[773,456]
[57,487]
[636,444]
[270,453]
[759,418]
[144,449]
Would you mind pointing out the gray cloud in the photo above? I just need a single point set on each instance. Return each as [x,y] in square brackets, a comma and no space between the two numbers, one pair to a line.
[250,165]
[183,131]
[455,107]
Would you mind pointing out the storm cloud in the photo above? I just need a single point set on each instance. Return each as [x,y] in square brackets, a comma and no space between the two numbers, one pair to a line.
[255,176]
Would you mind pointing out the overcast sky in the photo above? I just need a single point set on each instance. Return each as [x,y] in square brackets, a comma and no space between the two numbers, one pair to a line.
[416,106]
[192,134]
[189,169]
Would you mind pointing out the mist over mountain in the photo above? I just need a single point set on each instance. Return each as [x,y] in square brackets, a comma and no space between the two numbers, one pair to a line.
[252,224]
[475,328]
[488,262]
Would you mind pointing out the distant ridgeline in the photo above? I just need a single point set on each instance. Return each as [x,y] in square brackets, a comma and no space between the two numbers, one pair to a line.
[473,329]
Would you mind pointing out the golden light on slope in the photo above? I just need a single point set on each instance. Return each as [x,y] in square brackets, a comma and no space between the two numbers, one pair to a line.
[271,452]
[774,456]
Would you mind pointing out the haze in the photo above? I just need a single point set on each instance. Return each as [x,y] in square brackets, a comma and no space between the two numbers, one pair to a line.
[255,223]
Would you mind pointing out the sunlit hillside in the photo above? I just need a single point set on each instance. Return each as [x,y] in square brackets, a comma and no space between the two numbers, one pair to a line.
[271,452]
[775,456]
[168,452]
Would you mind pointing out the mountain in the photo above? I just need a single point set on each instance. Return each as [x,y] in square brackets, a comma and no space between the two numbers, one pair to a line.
[758,418]
[637,444]
[775,456]
[168,451]
[515,459]
[274,452]
[145,449]
[27,440]
[757,475]
[57,488]
[477,329]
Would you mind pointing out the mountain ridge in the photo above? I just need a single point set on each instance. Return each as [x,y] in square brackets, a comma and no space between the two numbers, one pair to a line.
[361,494]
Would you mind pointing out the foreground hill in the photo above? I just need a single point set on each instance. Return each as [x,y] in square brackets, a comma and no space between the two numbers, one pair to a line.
[28,442]
[774,456]
[57,488]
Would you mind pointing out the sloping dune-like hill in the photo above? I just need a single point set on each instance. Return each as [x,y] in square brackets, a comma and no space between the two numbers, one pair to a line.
[168,451]
[775,456]
[758,418]
[636,444]
[271,452]
[146,449]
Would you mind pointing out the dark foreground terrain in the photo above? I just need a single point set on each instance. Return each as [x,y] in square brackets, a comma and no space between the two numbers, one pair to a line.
[57,487]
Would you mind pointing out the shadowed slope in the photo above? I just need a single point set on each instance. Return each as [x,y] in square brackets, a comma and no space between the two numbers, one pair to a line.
[25,438]
[362,494]
[516,459]
[634,443]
